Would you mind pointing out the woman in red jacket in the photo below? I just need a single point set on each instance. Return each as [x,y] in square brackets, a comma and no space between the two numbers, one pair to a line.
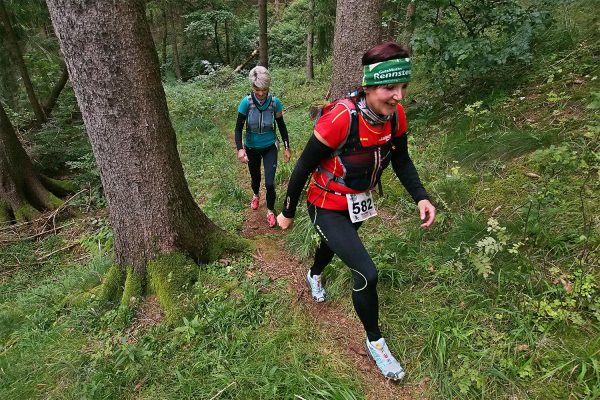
[353,142]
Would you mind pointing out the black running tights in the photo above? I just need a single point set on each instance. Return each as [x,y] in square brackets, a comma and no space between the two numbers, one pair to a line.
[269,159]
[339,236]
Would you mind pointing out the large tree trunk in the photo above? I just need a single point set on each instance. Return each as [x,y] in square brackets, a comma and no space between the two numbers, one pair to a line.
[13,47]
[310,42]
[114,71]
[22,192]
[357,28]
[263,44]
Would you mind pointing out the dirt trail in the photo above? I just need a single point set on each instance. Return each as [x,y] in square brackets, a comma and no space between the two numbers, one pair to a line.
[342,333]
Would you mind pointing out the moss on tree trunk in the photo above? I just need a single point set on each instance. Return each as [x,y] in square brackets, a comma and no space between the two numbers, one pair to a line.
[23,192]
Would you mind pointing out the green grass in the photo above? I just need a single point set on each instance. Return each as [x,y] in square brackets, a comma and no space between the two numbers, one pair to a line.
[248,341]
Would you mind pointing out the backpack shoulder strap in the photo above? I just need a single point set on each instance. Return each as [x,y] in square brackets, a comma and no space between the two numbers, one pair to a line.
[352,127]
[250,100]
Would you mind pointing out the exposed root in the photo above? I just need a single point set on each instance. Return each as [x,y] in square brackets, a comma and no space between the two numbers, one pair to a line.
[170,277]
[221,242]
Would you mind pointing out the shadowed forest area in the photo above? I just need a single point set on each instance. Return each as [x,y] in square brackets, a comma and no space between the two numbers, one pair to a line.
[131,266]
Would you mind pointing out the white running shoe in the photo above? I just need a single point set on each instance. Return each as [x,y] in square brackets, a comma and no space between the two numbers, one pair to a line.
[387,364]
[316,289]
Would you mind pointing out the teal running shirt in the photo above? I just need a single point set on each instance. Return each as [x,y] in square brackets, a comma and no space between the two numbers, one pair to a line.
[260,132]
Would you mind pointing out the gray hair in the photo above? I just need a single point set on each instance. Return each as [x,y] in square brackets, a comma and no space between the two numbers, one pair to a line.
[260,77]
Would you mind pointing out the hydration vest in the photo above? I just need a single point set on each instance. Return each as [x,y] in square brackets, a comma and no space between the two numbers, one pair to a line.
[362,166]
[260,118]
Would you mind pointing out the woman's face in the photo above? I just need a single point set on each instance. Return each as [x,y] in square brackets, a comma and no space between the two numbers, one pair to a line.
[383,99]
[260,93]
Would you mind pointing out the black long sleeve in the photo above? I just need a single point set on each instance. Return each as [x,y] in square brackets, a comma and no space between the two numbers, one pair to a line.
[283,132]
[314,152]
[405,169]
[239,126]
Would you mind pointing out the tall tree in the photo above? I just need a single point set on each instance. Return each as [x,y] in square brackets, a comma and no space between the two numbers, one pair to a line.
[114,71]
[310,41]
[409,25]
[357,27]
[174,38]
[13,46]
[165,32]
[8,77]
[23,192]
[263,43]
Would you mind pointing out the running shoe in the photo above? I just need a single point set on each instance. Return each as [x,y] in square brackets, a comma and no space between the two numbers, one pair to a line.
[271,220]
[316,289]
[254,203]
[387,364]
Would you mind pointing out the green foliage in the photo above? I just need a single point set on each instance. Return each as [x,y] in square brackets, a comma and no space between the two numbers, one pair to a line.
[461,41]
[99,242]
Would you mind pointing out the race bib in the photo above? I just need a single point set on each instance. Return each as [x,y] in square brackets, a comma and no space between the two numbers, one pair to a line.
[360,206]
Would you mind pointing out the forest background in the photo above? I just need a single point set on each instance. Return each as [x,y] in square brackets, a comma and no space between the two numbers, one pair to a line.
[498,300]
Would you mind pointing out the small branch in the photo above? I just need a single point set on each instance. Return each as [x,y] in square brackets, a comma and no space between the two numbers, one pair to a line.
[242,65]
[37,234]
[471,32]
[57,251]
[222,390]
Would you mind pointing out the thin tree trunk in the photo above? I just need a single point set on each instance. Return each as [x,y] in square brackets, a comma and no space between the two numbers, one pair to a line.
[357,28]
[310,41]
[409,25]
[49,103]
[174,43]
[8,78]
[109,52]
[13,46]
[165,33]
[215,28]
[277,7]
[51,100]
[227,46]
[263,43]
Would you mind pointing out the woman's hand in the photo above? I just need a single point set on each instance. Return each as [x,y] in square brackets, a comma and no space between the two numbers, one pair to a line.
[427,213]
[287,155]
[284,222]
[241,155]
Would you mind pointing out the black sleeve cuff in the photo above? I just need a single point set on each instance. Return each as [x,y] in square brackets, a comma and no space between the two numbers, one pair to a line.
[239,126]
[283,132]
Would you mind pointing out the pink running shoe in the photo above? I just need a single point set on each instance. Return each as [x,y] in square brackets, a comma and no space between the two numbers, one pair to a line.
[254,203]
[271,220]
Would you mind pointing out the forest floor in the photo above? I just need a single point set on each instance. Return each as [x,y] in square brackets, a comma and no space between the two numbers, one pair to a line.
[344,335]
